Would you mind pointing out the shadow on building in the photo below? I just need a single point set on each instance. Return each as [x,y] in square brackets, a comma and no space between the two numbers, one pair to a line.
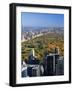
[52,65]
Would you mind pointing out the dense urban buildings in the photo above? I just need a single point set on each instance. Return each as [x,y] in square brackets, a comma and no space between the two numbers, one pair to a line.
[52,65]
[42,44]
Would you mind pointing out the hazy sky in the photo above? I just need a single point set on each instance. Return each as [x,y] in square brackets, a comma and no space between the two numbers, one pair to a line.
[42,20]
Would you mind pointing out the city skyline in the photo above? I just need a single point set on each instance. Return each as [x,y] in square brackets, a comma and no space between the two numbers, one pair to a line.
[42,44]
[42,20]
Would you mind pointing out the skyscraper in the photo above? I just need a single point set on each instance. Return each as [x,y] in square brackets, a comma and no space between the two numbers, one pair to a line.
[50,63]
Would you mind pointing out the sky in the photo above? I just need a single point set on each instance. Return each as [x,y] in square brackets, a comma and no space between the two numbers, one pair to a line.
[42,20]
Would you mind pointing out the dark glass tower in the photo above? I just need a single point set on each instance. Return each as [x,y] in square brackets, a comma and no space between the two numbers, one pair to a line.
[50,63]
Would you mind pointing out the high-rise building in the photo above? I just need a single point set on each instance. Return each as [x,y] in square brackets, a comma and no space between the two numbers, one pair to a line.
[60,67]
[50,63]
[33,67]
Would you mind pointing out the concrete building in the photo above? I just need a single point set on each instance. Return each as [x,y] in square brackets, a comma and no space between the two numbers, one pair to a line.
[32,66]
[51,65]
[60,66]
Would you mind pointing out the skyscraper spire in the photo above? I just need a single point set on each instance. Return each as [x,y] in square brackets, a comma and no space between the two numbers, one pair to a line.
[33,52]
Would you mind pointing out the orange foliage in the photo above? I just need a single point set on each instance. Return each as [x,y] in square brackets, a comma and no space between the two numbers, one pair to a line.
[51,46]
